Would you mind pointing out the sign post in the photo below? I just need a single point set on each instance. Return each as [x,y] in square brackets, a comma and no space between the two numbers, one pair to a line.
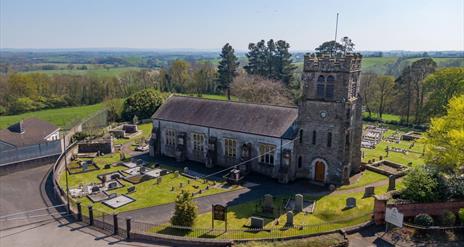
[394,217]
[219,212]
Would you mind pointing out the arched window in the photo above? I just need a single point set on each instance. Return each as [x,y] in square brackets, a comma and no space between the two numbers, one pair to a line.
[301,136]
[329,139]
[329,90]
[314,137]
[320,86]
[300,162]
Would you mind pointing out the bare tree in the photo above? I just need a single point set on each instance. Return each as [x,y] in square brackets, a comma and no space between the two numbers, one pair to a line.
[256,89]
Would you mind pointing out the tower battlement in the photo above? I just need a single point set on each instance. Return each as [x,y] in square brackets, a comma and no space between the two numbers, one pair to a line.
[349,62]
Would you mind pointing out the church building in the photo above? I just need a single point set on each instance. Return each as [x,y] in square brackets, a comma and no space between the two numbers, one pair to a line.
[319,140]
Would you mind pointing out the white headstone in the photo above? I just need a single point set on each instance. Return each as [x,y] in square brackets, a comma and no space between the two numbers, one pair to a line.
[393,216]
[298,203]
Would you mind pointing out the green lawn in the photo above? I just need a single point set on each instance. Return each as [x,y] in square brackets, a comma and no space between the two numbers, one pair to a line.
[367,177]
[385,117]
[147,193]
[330,214]
[416,158]
[62,117]
[146,132]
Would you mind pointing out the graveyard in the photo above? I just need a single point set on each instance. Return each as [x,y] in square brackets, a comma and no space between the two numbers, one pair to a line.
[401,148]
[309,214]
[112,185]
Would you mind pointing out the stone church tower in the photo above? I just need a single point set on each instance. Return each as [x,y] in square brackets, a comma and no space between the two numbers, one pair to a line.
[328,146]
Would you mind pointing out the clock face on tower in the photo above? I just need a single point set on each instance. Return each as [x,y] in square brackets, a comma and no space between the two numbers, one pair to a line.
[323,114]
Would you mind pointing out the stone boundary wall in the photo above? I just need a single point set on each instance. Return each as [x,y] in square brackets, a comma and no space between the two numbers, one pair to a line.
[434,209]
[412,209]
[28,164]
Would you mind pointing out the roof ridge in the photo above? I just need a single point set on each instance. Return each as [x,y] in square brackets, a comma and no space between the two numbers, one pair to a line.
[231,101]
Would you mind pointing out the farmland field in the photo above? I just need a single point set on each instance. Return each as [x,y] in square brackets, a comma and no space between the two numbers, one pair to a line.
[61,117]
[99,71]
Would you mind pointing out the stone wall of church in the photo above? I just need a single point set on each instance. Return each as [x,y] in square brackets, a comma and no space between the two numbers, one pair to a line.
[334,156]
[241,139]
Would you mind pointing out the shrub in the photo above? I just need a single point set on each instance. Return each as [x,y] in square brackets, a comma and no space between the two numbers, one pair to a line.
[185,210]
[461,215]
[142,104]
[420,186]
[448,218]
[423,220]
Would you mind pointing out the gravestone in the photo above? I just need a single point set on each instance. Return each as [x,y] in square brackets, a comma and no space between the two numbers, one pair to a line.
[391,182]
[268,203]
[158,180]
[131,189]
[176,174]
[139,162]
[350,202]
[188,181]
[112,195]
[143,169]
[95,189]
[172,188]
[180,185]
[186,170]
[112,185]
[115,176]
[257,222]
[289,222]
[298,203]
[107,166]
[85,166]
[207,187]
[369,191]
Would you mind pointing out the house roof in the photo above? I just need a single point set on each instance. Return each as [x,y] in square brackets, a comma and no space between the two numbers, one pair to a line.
[33,132]
[267,120]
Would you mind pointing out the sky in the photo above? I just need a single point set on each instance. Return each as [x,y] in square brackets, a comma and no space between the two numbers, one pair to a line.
[416,25]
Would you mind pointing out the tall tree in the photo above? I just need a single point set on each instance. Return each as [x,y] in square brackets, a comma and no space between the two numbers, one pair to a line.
[441,86]
[271,60]
[283,63]
[367,90]
[444,141]
[411,86]
[227,68]
[179,75]
[383,88]
[204,78]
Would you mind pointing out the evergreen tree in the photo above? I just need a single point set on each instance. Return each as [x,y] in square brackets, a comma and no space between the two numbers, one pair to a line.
[284,63]
[271,60]
[185,210]
[227,68]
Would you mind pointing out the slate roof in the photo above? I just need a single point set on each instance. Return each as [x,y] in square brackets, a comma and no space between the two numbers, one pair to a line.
[267,120]
[35,131]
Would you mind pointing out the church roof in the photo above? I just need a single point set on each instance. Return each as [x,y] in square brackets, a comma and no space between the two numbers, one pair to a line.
[267,120]
[28,132]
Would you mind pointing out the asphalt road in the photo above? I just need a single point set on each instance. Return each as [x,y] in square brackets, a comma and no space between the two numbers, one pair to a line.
[23,191]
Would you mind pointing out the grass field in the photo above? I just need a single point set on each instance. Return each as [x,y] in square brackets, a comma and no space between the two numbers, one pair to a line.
[146,132]
[61,117]
[367,177]
[415,157]
[92,71]
[385,117]
[330,214]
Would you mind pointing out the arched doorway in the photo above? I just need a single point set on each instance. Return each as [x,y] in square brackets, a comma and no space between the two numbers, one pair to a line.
[319,170]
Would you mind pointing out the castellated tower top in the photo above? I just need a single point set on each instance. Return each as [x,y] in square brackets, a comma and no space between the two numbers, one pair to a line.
[349,62]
